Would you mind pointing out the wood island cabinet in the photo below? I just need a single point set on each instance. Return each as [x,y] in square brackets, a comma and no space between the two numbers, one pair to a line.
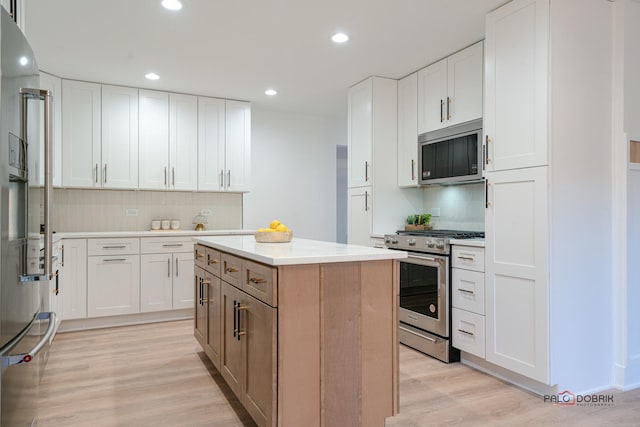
[301,345]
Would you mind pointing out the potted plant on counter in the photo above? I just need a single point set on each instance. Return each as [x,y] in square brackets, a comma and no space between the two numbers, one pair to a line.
[418,222]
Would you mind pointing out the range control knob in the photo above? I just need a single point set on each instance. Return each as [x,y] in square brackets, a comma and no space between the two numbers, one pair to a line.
[411,242]
[387,240]
[431,244]
[440,245]
[394,241]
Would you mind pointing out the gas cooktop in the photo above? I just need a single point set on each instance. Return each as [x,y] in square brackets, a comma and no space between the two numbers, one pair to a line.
[449,234]
[428,241]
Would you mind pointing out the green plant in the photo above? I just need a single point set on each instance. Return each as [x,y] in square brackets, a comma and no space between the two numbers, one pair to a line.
[419,219]
[424,219]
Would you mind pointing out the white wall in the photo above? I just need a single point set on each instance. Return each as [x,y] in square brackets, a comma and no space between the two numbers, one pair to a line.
[293,172]
[461,206]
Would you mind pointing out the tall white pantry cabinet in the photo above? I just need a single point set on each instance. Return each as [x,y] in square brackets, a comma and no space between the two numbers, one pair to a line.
[547,132]
[376,205]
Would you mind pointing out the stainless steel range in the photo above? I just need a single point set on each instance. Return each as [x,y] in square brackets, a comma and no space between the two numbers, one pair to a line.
[425,289]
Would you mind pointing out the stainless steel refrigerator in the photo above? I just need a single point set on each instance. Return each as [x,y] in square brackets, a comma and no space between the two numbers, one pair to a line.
[25,330]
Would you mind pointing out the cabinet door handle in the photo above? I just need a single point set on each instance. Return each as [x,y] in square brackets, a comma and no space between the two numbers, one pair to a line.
[257,281]
[487,203]
[441,111]
[229,178]
[173,176]
[240,307]
[176,267]
[96,173]
[466,291]
[168,267]
[366,171]
[466,332]
[165,176]
[413,174]
[448,105]
[200,290]
[221,179]
[366,201]
[487,140]
[235,318]
[105,173]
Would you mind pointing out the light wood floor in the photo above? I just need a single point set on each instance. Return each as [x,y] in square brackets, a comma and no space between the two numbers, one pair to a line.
[157,375]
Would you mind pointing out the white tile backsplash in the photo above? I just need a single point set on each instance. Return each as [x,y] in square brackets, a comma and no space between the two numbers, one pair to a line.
[106,210]
[461,206]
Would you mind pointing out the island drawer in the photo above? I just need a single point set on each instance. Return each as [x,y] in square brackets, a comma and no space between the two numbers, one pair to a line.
[113,246]
[213,261]
[200,256]
[231,269]
[260,281]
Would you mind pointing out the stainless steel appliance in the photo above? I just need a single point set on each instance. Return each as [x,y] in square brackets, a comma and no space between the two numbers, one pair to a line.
[25,329]
[425,289]
[451,155]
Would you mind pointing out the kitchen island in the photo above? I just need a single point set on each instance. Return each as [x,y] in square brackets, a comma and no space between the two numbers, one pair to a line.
[305,332]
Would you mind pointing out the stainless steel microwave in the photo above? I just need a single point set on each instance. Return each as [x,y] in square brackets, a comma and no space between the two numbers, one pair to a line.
[451,155]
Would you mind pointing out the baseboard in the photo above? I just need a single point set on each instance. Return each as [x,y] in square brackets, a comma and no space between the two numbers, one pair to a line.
[518,380]
[124,320]
[628,377]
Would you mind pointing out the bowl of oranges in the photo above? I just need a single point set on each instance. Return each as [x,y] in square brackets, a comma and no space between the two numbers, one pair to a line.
[276,233]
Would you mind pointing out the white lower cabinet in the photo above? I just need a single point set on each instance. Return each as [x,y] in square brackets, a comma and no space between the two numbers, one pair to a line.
[183,280]
[468,299]
[166,281]
[73,283]
[113,285]
[360,218]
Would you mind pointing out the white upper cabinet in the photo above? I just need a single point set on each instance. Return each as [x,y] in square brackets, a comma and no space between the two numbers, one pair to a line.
[408,131]
[238,145]
[36,151]
[360,133]
[450,91]
[183,142]
[516,83]
[211,144]
[119,137]
[81,116]
[224,145]
[153,131]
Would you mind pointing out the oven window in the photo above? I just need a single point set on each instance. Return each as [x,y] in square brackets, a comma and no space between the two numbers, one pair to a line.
[419,289]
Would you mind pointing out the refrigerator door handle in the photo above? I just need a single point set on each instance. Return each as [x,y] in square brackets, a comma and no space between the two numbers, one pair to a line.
[42,95]
[16,359]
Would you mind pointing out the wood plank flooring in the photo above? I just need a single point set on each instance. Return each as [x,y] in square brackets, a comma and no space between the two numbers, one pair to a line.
[157,375]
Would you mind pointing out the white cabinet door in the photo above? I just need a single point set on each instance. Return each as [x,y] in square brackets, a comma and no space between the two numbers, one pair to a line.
[36,156]
[360,218]
[113,285]
[81,137]
[153,131]
[183,142]
[360,134]
[464,83]
[516,84]
[119,137]
[183,273]
[211,135]
[516,281]
[156,282]
[432,97]
[237,145]
[408,131]
[73,283]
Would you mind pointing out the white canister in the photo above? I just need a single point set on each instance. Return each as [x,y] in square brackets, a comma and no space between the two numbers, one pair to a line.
[175,224]
[166,224]
[155,224]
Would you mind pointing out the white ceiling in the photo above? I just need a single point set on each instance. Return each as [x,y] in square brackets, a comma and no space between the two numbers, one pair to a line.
[238,48]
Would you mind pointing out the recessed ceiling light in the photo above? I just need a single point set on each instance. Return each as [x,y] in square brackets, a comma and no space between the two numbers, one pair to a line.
[339,38]
[24,60]
[172,4]
[152,76]
[270,92]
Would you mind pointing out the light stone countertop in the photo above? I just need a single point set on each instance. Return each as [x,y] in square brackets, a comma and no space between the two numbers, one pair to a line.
[149,233]
[298,251]
[478,243]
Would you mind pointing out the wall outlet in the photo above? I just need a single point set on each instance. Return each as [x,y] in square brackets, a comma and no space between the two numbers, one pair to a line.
[132,212]
[205,212]
[435,212]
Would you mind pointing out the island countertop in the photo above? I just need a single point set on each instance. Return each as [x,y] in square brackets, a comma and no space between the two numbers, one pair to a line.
[298,251]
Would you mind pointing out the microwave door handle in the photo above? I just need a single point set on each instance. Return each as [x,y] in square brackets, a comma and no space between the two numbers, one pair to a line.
[41,95]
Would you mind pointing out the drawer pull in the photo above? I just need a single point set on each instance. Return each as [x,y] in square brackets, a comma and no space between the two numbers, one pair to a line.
[466,332]
[212,261]
[198,256]
[114,247]
[257,281]
[466,291]
[467,258]
[206,282]
[115,260]
[230,270]
[172,245]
